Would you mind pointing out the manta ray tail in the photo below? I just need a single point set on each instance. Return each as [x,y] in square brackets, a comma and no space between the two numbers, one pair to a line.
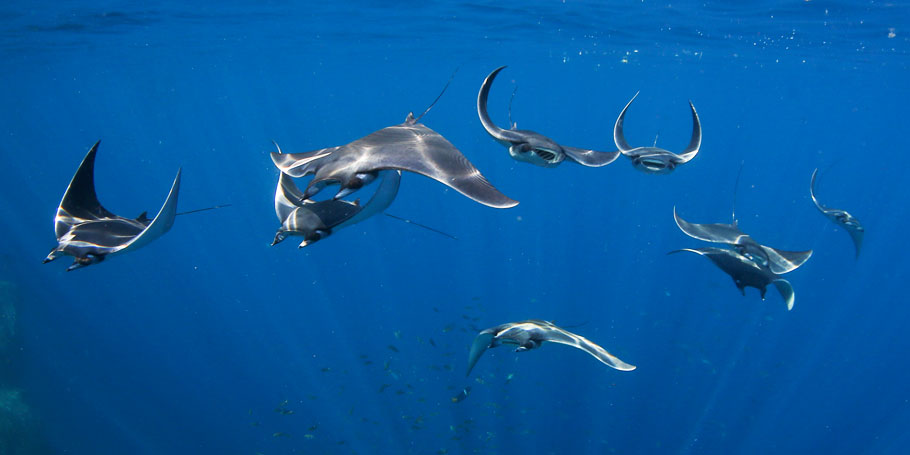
[786,291]
[438,96]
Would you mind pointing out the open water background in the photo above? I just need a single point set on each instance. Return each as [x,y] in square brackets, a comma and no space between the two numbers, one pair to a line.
[189,345]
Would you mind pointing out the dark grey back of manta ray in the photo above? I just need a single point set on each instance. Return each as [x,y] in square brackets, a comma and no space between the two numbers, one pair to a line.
[745,272]
[84,228]
[410,146]
[533,147]
[778,261]
[840,217]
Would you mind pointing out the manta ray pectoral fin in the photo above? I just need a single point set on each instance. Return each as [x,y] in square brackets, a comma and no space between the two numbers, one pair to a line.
[295,164]
[695,141]
[618,136]
[717,233]
[80,202]
[590,158]
[480,344]
[818,205]
[562,336]
[857,236]
[390,180]
[496,132]
[781,262]
[162,222]
[786,291]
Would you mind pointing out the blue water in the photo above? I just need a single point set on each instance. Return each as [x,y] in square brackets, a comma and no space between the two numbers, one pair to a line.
[191,344]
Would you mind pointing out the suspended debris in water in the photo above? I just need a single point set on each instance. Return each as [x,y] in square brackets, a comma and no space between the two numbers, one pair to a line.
[393,348]
[397,334]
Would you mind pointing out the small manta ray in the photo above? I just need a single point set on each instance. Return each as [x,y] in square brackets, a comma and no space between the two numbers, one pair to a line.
[531,334]
[317,220]
[745,272]
[840,218]
[410,146]
[532,147]
[778,261]
[655,160]
[89,232]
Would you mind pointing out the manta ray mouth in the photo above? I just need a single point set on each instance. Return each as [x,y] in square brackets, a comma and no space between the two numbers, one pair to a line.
[656,165]
[545,155]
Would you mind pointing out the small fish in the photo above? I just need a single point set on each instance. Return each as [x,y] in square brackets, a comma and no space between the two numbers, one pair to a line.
[313,428]
[397,334]
[284,411]
[432,343]
[325,369]
[448,328]
[309,436]
[509,377]
[461,395]
[393,348]
[280,434]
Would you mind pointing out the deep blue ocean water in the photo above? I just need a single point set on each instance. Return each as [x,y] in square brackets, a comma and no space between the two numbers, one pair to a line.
[192,344]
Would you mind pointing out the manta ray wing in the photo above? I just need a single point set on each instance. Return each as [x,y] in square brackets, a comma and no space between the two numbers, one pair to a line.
[481,343]
[717,232]
[781,262]
[161,223]
[590,158]
[80,202]
[786,291]
[695,140]
[416,148]
[857,235]
[287,197]
[389,182]
[562,336]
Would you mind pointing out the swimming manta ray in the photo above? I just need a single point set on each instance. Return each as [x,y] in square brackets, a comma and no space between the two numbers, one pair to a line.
[840,218]
[655,160]
[532,147]
[317,220]
[531,334]
[745,272]
[89,232]
[410,146]
[777,261]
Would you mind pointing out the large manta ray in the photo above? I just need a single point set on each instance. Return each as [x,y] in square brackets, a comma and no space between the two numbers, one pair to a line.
[532,147]
[410,146]
[840,218]
[89,232]
[317,220]
[778,261]
[745,272]
[531,334]
[655,160]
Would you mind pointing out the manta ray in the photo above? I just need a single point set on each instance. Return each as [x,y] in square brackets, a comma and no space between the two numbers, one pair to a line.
[531,334]
[317,220]
[745,272]
[532,147]
[840,218]
[655,160]
[410,146]
[777,261]
[89,232]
